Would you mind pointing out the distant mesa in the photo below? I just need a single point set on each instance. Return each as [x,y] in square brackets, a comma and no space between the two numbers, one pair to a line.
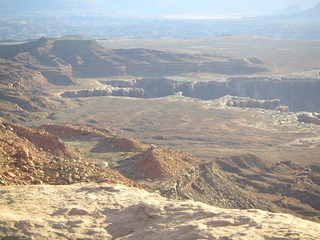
[88,58]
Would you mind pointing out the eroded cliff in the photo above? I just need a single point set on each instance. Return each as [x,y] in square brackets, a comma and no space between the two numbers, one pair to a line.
[297,94]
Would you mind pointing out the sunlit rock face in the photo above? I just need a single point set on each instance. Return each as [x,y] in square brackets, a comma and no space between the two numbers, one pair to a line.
[102,211]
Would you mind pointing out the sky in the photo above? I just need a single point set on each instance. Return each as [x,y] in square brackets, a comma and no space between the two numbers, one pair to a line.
[162,7]
[202,7]
[215,6]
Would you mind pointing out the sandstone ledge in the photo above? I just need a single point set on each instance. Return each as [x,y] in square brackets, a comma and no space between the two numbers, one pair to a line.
[102,211]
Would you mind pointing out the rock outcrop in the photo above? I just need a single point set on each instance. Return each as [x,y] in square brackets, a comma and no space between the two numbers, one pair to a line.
[22,94]
[309,118]
[16,75]
[32,156]
[121,92]
[253,103]
[107,141]
[245,102]
[208,184]
[294,188]
[157,163]
[41,139]
[103,211]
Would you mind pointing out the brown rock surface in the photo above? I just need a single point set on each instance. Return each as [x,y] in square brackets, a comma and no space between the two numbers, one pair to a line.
[208,184]
[284,186]
[119,144]
[70,132]
[88,59]
[41,139]
[31,156]
[94,211]
[106,139]
[159,162]
[60,76]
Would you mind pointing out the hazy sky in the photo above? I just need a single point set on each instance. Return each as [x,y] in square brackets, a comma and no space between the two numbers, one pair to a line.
[160,7]
[202,6]
[217,5]
[207,5]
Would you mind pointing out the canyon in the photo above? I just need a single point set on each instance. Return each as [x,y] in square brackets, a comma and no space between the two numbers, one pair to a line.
[61,62]
[290,91]
[104,136]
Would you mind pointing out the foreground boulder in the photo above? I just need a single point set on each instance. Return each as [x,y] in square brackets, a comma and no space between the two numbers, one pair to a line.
[102,211]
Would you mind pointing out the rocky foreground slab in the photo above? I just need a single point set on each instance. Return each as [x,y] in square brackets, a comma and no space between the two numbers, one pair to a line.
[104,211]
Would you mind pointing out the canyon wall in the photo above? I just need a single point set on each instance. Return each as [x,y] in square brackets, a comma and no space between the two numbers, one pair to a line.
[297,94]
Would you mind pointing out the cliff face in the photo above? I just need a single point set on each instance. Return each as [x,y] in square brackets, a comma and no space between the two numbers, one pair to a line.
[103,211]
[121,92]
[298,94]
